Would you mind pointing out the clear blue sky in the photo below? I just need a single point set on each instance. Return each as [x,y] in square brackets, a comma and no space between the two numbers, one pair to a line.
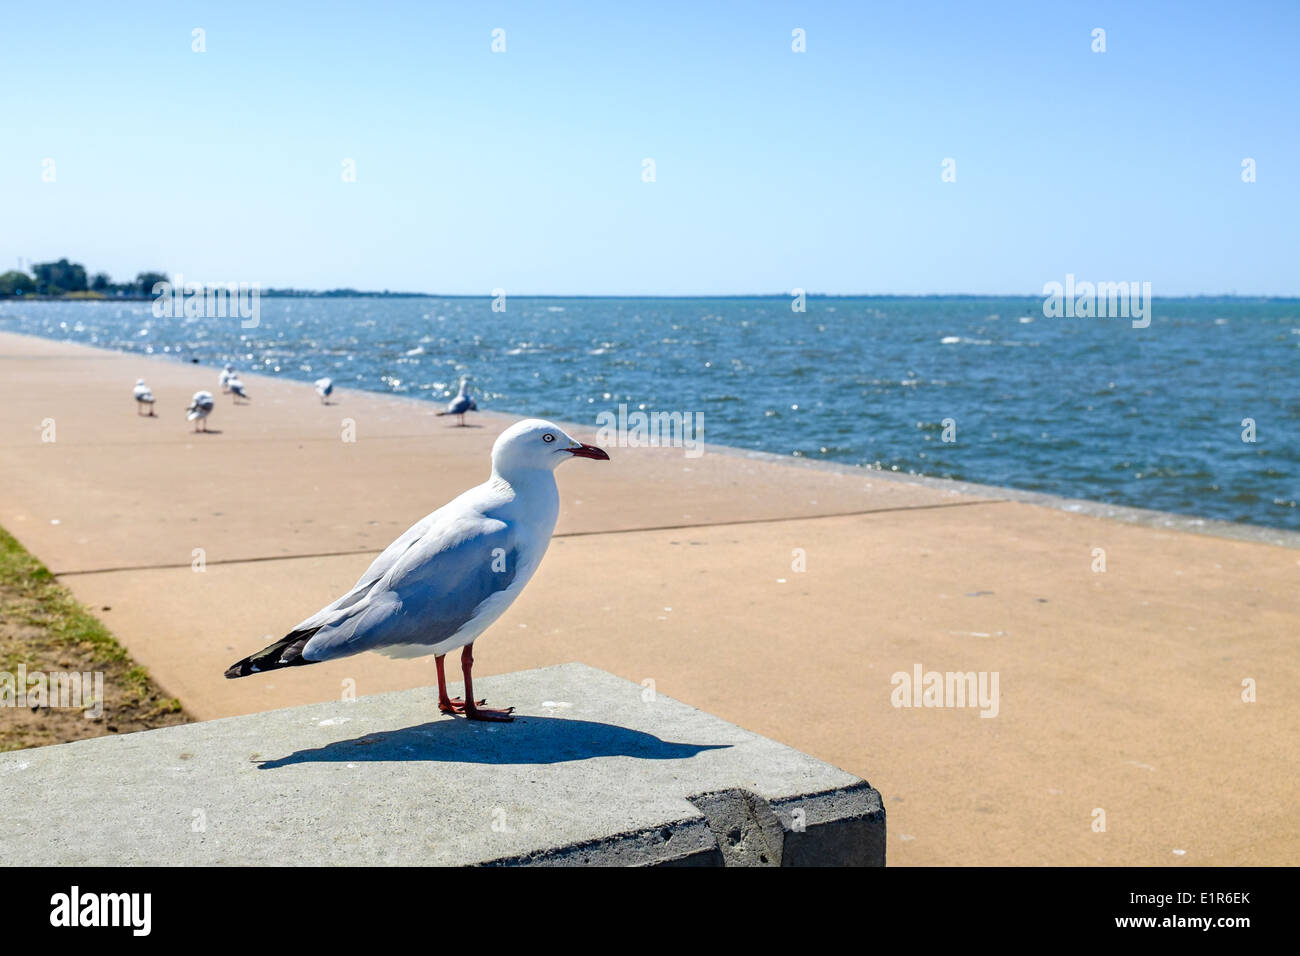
[775,170]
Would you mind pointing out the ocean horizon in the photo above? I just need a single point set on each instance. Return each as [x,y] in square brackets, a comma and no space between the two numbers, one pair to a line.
[986,389]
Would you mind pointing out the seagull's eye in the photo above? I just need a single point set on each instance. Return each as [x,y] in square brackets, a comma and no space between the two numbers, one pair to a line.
[548,437]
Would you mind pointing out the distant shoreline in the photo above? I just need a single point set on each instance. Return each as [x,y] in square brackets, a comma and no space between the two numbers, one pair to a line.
[760,296]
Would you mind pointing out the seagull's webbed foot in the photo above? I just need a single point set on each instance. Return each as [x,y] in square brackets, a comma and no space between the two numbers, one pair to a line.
[473,712]
[455,705]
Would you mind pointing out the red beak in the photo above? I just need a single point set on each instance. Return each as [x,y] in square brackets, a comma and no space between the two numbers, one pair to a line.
[589,451]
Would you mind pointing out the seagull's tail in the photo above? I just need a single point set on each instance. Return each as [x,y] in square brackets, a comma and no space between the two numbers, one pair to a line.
[286,652]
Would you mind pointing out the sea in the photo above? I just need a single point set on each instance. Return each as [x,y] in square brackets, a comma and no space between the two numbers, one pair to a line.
[1198,413]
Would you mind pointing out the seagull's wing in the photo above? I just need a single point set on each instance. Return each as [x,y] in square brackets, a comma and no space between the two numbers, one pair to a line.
[425,592]
[372,575]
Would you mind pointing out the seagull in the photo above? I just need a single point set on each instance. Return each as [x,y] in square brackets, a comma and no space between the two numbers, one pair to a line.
[201,406]
[226,375]
[462,403]
[324,388]
[237,389]
[451,575]
[143,397]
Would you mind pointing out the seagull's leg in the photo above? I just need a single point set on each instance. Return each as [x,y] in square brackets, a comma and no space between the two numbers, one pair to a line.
[448,705]
[472,710]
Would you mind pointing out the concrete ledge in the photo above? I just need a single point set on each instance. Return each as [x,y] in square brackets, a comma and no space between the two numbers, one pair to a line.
[596,771]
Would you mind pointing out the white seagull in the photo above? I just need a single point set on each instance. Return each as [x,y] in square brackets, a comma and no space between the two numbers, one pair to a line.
[201,406]
[324,388]
[143,397]
[237,389]
[451,575]
[226,375]
[462,403]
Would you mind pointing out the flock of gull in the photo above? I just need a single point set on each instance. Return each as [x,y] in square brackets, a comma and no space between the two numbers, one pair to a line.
[203,402]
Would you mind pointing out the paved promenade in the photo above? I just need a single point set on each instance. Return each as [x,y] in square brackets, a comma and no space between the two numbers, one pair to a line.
[1118,691]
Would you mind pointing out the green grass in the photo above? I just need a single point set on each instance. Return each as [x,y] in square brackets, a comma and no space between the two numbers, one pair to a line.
[43,627]
[44,603]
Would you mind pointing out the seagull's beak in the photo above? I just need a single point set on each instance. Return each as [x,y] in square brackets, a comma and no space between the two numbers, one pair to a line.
[580,450]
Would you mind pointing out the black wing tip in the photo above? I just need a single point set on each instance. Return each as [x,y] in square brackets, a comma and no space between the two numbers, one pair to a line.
[286,652]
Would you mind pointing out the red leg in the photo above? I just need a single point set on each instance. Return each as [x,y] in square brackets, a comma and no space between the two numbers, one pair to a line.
[448,705]
[472,710]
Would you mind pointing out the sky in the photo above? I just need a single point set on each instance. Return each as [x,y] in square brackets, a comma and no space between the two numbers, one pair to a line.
[774,170]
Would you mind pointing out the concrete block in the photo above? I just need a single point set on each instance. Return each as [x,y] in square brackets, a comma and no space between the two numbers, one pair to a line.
[596,770]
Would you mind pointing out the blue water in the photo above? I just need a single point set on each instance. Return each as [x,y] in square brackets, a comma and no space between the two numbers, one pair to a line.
[1088,408]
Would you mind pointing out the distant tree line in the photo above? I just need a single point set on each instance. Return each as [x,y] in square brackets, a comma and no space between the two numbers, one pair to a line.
[70,278]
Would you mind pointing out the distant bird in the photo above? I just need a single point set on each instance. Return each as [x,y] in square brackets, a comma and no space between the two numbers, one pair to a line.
[226,375]
[462,403]
[143,397]
[324,388]
[201,406]
[237,389]
[451,575]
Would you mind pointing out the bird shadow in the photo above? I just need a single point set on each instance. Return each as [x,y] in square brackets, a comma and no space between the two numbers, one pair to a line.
[208,431]
[528,740]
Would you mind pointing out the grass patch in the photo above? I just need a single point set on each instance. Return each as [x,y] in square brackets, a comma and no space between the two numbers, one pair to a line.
[43,628]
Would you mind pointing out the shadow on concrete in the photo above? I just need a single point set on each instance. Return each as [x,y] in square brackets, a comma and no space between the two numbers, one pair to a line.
[528,740]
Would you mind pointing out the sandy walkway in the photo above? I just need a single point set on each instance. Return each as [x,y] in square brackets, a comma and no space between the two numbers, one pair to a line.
[1118,690]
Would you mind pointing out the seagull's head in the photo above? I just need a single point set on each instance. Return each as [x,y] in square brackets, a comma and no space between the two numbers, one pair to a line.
[229,367]
[535,444]
[139,381]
